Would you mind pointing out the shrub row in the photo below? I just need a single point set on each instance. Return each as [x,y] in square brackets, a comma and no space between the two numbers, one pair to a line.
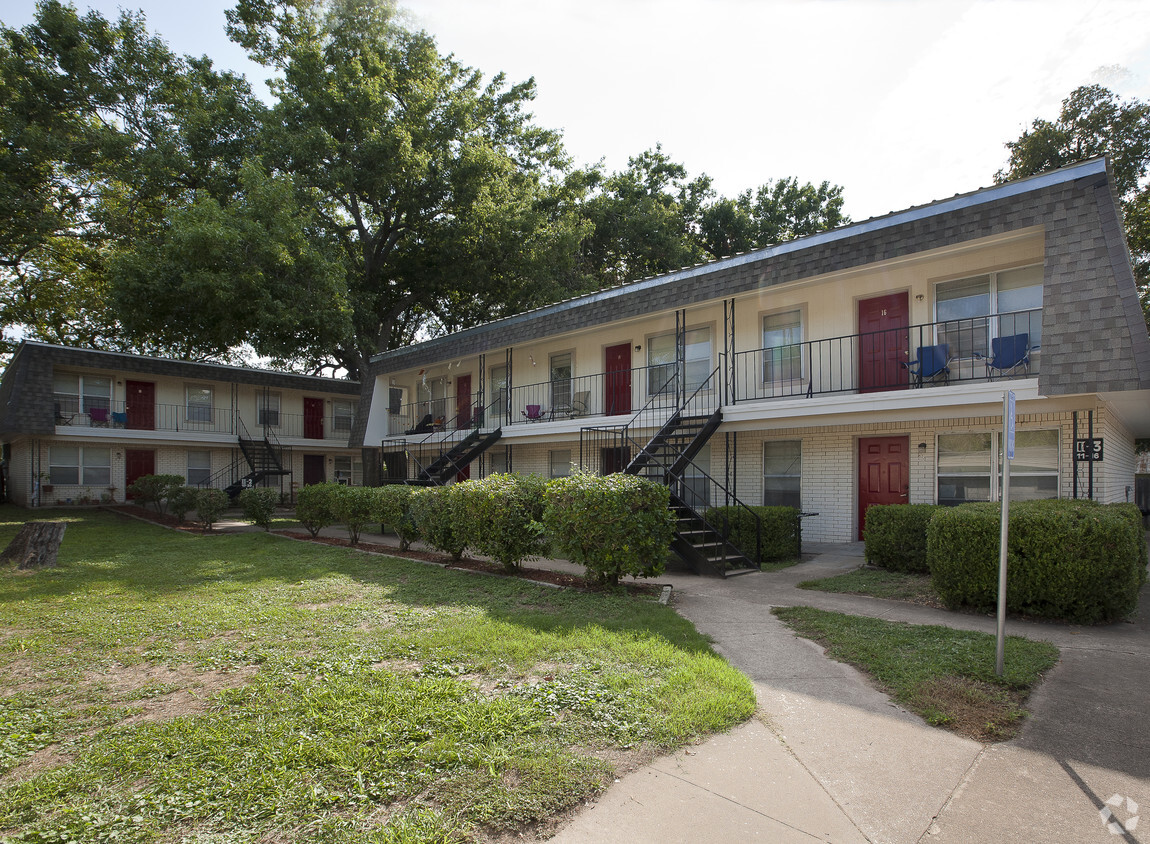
[167,493]
[1074,560]
[895,536]
[782,537]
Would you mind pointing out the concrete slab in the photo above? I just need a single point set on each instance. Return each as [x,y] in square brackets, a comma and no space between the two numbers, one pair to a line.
[741,786]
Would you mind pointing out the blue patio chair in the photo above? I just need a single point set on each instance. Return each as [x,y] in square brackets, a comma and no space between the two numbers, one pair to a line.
[119,420]
[933,363]
[1007,354]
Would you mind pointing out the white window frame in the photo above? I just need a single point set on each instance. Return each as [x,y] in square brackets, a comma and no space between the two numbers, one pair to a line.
[268,409]
[780,367]
[341,422]
[82,400]
[796,472]
[561,386]
[993,471]
[563,455]
[991,327]
[691,384]
[197,475]
[347,470]
[92,465]
[194,411]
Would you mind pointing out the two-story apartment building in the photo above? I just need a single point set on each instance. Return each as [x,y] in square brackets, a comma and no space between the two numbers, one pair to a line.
[862,365]
[81,425]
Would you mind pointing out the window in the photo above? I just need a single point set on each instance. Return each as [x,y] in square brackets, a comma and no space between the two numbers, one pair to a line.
[432,398]
[342,414]
[87,465]
[661,366]
[199,467]
[348,471]
[782,352]
[561,380]
[696,490]
[560,462]
[782,473]
[73,393]
[499,463]
[968,462]
[198,402]
[499,392]
[1000,304]
[268,407]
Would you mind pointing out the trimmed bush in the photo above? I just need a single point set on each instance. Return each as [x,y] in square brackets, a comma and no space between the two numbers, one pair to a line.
[210,505]
[501,517]
[315,506]
[613,525]
[895,536]
[782,531]
[354,507]
[259,505]
[182,501]
[436,518]
[155,489]
[1073,560]
[393,509]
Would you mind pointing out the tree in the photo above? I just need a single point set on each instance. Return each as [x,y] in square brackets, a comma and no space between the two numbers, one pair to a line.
[1094,122]
[434,187]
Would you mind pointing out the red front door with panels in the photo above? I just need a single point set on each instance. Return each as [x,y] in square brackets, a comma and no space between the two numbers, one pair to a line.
[884,473]
[884,341]
[141,405]
[313,418]
[137,463]
[617,382]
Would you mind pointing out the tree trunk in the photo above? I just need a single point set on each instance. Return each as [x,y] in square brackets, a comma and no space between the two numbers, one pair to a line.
[35,546]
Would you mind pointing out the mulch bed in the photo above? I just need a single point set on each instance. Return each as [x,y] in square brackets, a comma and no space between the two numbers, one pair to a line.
[165,519]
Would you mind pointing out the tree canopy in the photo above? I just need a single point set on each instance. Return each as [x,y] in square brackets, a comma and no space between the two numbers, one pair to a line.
[1093,121]
[149,202]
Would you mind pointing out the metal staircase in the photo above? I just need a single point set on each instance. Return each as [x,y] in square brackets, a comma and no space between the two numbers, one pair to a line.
[458,457]
[440,456]
[263,462]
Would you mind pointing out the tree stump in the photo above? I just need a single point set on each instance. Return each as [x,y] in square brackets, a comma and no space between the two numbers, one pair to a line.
[35,546]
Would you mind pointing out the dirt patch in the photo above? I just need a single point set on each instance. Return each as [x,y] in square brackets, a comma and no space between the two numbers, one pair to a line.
[163,693]
[42,760]
[973,708]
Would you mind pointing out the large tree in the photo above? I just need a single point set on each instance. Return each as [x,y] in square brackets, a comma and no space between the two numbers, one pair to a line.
[1094,121]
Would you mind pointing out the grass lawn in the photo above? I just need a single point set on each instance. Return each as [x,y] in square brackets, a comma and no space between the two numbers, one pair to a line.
[880,583]
[944,675]
[162,686]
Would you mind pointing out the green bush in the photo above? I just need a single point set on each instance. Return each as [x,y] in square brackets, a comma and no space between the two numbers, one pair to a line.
[501,516]
[354,507]
[782,531]
[259,505]
[210,505]
[1073,560]
[315,506]
[182,501]
[437,519]
[155,489]
[612,525]
[393,509]
[895,536]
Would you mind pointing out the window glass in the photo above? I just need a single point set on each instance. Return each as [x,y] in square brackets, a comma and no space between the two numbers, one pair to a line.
[199,467]
[66,395]
[974,310]
[782,355]
[698,357]
[499,391]
[269,408]
[1034,470]
[348,471]
[962,307]
[782,473]
[661,361]
[97,392]
[342,414]
[1020,290]
[97,466]
[561,380]
[64,464]
[560,462]
[697,490]
[199,403]
[498,464]
[964,466]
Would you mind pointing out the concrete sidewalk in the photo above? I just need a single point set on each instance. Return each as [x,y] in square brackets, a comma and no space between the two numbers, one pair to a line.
[834,760]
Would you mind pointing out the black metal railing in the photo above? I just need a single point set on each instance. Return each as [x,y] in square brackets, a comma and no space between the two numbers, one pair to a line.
[926,355]
[436,439]
[101,413]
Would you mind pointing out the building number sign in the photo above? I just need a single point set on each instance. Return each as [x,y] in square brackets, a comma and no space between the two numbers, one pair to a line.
[1088,450]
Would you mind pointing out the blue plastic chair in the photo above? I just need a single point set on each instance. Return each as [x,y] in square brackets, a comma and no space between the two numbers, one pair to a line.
[933,362]
[1007,354]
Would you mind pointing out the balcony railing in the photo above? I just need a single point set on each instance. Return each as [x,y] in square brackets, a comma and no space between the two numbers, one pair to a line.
[306,426]
[932,354]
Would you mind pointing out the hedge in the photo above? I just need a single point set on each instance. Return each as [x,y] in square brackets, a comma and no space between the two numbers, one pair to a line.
[210,505]
[393,508]
[259,505]
[436,517]
[612,525]
[354,507]
[895,536]
[782,531]
[1072,560]
[501,517]
[155,489]
[315,506]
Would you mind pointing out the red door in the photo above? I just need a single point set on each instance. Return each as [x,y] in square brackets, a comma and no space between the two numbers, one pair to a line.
[884,473]
[137,463]
[313,419]
[883,343]
[141,405]
[617,384]
[463,401]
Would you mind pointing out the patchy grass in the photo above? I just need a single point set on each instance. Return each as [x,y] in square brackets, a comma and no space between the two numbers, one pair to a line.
[945,675]
[880,583]
[160,686]
[778,565]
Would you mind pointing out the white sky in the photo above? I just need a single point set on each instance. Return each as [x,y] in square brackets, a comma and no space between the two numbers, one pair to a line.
[901,102]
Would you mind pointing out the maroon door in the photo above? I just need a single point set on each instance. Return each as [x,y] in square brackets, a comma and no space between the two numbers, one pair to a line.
[617,384]
[137,463]
[313,472]
[884,473]
[141,405]
[463,401]
[313,419]
[883,343]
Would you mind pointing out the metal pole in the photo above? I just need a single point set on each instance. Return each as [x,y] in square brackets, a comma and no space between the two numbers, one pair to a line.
[1004,530]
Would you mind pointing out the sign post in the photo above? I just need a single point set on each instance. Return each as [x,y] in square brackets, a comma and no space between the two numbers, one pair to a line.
[1007,456]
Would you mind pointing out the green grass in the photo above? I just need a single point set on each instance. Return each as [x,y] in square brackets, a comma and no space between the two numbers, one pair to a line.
[945,675]
[162,686]
[879,583]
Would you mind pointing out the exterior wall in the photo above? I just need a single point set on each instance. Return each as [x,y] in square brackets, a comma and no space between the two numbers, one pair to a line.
[1119,460]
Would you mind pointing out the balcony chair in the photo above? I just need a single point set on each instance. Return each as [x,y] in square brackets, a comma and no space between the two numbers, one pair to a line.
[1007,354]
[425,426]
[533,413]
[119,420]
[580,404]
[932,365]
[99,416]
